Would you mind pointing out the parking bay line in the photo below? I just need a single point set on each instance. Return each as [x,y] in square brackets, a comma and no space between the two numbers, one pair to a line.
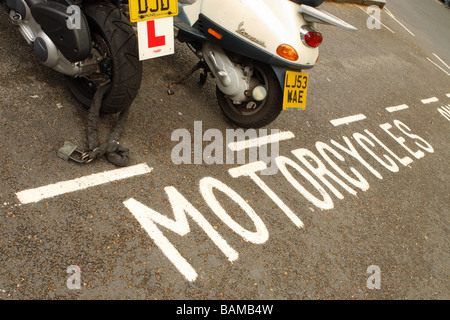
[392,16]
[430,100]
[397,108]
[60,188]
[442,61]
[347,120]
[438,66]
[260,141]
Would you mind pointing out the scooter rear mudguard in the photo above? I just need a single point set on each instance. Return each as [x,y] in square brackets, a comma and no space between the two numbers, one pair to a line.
[252,28]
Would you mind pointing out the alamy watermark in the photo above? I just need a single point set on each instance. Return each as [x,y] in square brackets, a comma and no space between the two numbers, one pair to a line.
[74,280]
[74,20]
[374,280]
[374,20]
[241,147]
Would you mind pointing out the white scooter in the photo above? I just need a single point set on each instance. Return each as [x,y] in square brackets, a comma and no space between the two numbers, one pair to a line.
[255,49]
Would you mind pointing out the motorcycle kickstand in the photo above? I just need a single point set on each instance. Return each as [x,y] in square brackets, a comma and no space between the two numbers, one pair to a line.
[203,76]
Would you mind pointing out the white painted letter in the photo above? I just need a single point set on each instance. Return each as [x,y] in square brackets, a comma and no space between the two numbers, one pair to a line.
[361,183]
[352,152]
[326,203]
[206,188]
[321,171]
[404,128]
[404,160]
[149,218]
[391,166]
[249,170]
[419,154]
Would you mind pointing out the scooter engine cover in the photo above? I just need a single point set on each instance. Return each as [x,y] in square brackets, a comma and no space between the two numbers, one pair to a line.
[74,43]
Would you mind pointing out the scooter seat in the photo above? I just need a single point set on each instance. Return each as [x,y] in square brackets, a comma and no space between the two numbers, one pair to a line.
[312,3]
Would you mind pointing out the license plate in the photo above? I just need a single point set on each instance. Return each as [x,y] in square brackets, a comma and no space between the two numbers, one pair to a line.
[295,90]
[141,10]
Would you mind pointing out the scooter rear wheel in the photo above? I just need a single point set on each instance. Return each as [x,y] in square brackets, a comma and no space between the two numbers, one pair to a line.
[116,41]
[252,113]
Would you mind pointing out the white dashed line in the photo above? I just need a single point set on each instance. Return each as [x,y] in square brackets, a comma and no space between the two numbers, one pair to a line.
[257,142]
[397,108]
[430,100]
[347,120]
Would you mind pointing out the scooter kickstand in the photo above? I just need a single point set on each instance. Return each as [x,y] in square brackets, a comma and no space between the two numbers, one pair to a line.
[199,65]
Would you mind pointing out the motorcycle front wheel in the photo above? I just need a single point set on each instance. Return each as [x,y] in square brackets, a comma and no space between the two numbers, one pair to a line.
[115,42]
[252,113]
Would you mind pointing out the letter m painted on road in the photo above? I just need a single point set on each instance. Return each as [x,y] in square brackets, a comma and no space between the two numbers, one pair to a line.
[150,219]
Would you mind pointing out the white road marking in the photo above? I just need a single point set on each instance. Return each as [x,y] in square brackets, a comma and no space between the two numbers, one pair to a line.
[438,66]
[320,187]
[392,16]
[258,142]
[250,170]
[448,95]
[434,54]
[445,112]
[347,120]
[430,100]
[145,216]
[397,108]
[50,191]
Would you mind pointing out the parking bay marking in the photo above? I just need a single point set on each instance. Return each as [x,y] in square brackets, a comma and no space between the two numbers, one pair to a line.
[442,61]
[430,100]
[183,210]
[347,120]
[438,66]
[392,16]
[260,141]
[60,188]
[180,204]
[397,108]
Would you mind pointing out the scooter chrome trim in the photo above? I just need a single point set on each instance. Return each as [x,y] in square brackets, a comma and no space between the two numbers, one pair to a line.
[314,15]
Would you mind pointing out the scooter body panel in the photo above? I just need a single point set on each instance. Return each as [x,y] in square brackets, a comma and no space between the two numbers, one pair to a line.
[74,43]
[262,24]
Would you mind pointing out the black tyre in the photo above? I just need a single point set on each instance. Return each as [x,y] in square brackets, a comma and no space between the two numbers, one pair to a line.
[252,113]
[115,40]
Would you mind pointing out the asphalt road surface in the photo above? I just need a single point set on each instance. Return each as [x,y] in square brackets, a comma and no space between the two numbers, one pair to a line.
[358,209]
